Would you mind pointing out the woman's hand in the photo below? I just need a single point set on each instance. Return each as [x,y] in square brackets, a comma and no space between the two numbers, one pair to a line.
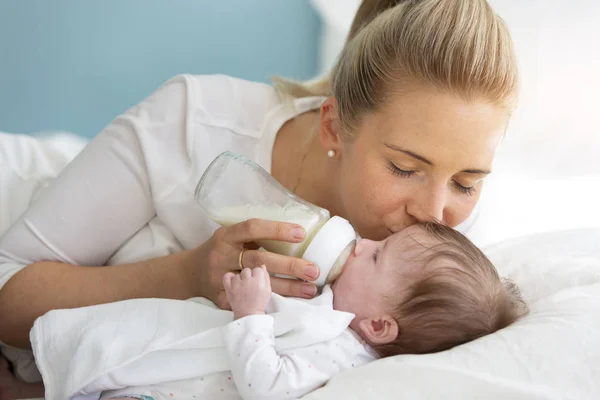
[220,255]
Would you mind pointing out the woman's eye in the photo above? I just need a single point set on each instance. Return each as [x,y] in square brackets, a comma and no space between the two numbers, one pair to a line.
[466,190]
[400,172]
[395,170]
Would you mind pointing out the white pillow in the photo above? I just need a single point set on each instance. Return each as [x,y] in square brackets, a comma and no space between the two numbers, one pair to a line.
[552,353]
[514,205]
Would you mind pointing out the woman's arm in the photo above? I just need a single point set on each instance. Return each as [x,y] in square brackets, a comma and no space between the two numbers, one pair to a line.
[45,286]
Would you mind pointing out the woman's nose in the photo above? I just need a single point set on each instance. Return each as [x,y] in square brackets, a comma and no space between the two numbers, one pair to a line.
[429,206]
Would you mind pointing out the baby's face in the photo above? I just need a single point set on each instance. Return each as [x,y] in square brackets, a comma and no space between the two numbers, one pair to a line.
[376,271]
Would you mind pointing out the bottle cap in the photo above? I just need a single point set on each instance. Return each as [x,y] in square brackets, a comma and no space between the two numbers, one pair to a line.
[327,245]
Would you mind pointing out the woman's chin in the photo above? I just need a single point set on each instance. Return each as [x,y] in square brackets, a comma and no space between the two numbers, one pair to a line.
[379,233]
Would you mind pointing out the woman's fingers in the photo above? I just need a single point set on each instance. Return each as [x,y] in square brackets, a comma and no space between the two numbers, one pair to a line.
[260,229]
[221,254]
[266,276]
[293,287]
[278,264]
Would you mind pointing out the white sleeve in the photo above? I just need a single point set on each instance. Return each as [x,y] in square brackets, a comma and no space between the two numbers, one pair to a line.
[105,195]
[260,373]
[27,164]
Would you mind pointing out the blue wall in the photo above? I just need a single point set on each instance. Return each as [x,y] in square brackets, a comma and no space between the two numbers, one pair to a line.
[75,64]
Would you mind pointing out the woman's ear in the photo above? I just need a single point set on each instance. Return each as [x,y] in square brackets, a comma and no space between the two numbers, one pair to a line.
[329,126]
[379,330]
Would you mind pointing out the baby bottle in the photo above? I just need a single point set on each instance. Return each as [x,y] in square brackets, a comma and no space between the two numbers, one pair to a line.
[234,189]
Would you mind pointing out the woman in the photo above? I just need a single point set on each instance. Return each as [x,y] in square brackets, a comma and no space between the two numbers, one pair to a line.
[405,129]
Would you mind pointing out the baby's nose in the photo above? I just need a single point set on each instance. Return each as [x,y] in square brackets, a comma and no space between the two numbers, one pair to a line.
[362,245]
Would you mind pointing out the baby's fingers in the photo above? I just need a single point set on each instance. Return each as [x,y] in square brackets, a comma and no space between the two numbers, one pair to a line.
[246,274]
[227,280]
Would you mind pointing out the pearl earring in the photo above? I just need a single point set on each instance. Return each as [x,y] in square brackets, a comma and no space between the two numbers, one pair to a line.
[331,153]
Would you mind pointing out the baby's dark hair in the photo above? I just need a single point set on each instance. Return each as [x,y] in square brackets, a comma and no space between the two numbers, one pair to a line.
[457,297]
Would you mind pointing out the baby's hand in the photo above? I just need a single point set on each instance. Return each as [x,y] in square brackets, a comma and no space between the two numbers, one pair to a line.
[248,292]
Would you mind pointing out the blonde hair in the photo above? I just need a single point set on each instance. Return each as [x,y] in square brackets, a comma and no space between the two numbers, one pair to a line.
[458,297]
[456,46]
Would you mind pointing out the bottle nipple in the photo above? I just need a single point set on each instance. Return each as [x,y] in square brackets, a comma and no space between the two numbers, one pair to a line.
[338,265]
[330,248]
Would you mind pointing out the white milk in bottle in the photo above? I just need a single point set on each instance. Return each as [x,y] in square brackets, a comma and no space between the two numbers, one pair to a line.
[310,221]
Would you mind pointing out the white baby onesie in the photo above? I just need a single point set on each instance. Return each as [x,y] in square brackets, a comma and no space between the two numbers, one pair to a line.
[157,347]
[258,371]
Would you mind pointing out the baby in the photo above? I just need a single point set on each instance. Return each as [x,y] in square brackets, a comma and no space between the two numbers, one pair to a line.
[425,289]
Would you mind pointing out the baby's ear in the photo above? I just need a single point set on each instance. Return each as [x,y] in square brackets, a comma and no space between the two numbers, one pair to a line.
[379,330]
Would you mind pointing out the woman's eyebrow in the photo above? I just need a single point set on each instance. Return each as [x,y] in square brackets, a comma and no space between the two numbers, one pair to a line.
[475,171]
[410,153]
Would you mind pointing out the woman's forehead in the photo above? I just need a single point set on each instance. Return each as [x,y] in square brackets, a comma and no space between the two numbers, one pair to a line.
[440,126]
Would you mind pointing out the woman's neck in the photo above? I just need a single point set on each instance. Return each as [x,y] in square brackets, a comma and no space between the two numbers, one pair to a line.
[301,165]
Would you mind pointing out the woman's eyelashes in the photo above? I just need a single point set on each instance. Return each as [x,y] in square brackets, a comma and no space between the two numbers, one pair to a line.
[395,170]
[468,190]
[404,173]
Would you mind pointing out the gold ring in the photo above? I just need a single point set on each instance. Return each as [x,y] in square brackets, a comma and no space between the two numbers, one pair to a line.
[240,259]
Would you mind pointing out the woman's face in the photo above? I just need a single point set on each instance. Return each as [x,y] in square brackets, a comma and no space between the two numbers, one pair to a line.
[423,157]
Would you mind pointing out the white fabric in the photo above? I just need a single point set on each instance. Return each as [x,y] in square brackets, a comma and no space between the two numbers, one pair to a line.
[292,373]
[284,354]
[553,353]
[514,205]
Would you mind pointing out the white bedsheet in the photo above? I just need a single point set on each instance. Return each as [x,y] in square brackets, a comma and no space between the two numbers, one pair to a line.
[553,353]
